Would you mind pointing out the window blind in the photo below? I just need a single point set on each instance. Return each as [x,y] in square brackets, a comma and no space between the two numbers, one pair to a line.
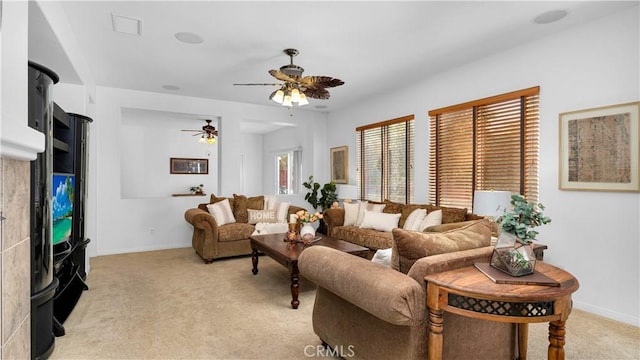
[487,144]
[385,160]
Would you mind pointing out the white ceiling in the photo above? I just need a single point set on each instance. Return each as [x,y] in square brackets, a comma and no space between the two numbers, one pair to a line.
[370,45]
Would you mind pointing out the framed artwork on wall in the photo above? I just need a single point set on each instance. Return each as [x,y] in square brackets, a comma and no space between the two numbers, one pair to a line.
[189,166]
[340,164]
[599,149]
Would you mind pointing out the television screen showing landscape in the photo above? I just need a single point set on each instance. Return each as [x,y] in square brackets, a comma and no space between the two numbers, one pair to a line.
[62,207]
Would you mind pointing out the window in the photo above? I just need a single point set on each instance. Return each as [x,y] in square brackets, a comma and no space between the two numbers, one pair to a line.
[385,160]
[288,172]
[487,144]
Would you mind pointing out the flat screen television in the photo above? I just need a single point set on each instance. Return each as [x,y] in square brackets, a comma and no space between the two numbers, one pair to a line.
[62,207]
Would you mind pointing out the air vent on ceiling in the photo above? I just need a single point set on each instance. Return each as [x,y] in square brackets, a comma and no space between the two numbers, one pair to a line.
[126,25]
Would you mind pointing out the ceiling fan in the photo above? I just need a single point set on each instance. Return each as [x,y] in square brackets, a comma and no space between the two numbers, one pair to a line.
[297,88]
[207,134]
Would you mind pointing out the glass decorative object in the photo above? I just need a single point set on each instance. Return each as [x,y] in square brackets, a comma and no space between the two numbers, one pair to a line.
[512,257]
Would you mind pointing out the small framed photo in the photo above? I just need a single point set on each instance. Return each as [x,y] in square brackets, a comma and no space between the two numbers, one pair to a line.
[599,149]
[189,166]
[340,165]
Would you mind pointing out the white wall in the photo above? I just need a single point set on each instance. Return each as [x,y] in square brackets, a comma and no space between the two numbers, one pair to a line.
[593,235]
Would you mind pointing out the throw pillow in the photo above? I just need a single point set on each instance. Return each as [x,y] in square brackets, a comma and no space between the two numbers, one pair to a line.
[414,220]
[391,207]
[375,207]
[433,218]
[261,216]
[242,203]
[379,221]
[270,202]
[449,214]
[382,257]
[282,211]
[221,211]
[409,246]
[362,208]
[350,213]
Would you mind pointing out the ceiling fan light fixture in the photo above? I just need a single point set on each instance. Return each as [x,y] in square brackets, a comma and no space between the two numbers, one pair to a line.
[295,95]
[278,96]
[303,100]
[202,140]
[211,140]
[287,100]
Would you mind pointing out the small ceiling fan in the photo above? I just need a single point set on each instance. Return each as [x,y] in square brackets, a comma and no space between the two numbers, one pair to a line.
[207,134]
[297,88]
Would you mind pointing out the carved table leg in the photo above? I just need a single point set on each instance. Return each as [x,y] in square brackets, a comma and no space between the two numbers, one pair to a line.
[556,340]
[434,335]
[295,286]
[523,338]
[254,261]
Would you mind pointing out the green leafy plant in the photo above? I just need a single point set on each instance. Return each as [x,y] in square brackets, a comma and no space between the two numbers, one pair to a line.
[197,189]
[327,193]
[522,218]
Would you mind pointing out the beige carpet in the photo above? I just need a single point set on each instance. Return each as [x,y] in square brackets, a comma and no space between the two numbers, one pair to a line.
[170,305]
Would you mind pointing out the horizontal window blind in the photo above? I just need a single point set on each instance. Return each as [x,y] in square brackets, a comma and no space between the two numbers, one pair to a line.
[488,144]
[385,160]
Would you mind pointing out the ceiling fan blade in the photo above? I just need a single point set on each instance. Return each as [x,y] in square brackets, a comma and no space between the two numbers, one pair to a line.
[317,93]
[281,76]
[192,130]
[320,82]
[265,84]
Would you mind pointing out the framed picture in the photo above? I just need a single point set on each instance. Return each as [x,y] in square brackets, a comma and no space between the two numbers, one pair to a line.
[599,149]
[340,165]
[189,166]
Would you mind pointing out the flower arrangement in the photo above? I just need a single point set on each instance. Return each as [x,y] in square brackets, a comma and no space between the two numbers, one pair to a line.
[198,189]
[304,216]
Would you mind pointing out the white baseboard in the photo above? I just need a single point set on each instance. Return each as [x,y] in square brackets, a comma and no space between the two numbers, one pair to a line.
[607,313]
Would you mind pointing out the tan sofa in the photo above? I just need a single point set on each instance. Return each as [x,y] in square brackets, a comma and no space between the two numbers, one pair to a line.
[212,241]
[369,311]
[374,239]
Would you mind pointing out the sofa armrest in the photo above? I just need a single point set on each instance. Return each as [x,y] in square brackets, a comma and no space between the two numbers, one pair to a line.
[333,217]
[200,219]
[381,291]
[448,261]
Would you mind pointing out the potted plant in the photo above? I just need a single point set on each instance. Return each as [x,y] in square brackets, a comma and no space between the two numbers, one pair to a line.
[198,189]
[513,253]
[328,194]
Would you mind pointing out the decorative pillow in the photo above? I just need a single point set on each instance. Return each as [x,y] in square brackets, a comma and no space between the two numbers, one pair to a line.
[407,210]
[362,208]
[261,216]
[242,203]
[282,211]
[379,221]
[449,214]
[270,202]
[382,257]
[221,211]
[350,214]
[375,207]
[414,220]
[214,199]
[409,246]
[270,228]
[433,218]
[391,207]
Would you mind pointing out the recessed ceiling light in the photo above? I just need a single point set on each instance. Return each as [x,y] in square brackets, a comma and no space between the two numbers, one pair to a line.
[189,38]
[170,87]
[126,25]
[550,16]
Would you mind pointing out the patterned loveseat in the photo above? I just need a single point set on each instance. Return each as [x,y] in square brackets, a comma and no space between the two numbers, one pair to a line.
[212,241]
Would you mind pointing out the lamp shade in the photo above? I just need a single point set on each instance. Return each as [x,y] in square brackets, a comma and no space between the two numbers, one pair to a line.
[347,192]
[491,203]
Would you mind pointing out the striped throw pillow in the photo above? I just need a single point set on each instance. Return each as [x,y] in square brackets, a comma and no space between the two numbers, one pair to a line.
[221,211]
[414,219]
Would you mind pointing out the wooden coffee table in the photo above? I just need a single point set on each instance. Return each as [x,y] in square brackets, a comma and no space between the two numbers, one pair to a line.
[287,254]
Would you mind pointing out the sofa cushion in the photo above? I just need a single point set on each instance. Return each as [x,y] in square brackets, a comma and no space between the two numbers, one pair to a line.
[432,219]
[242,203]
[261,216]
[350,213]
[235,232]
[221,211]
[282,211]
[391,207]
[449,214]
[373,239]
[379,221]
[409,246]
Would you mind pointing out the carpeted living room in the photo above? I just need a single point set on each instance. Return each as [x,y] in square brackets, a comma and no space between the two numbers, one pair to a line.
[185,116]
